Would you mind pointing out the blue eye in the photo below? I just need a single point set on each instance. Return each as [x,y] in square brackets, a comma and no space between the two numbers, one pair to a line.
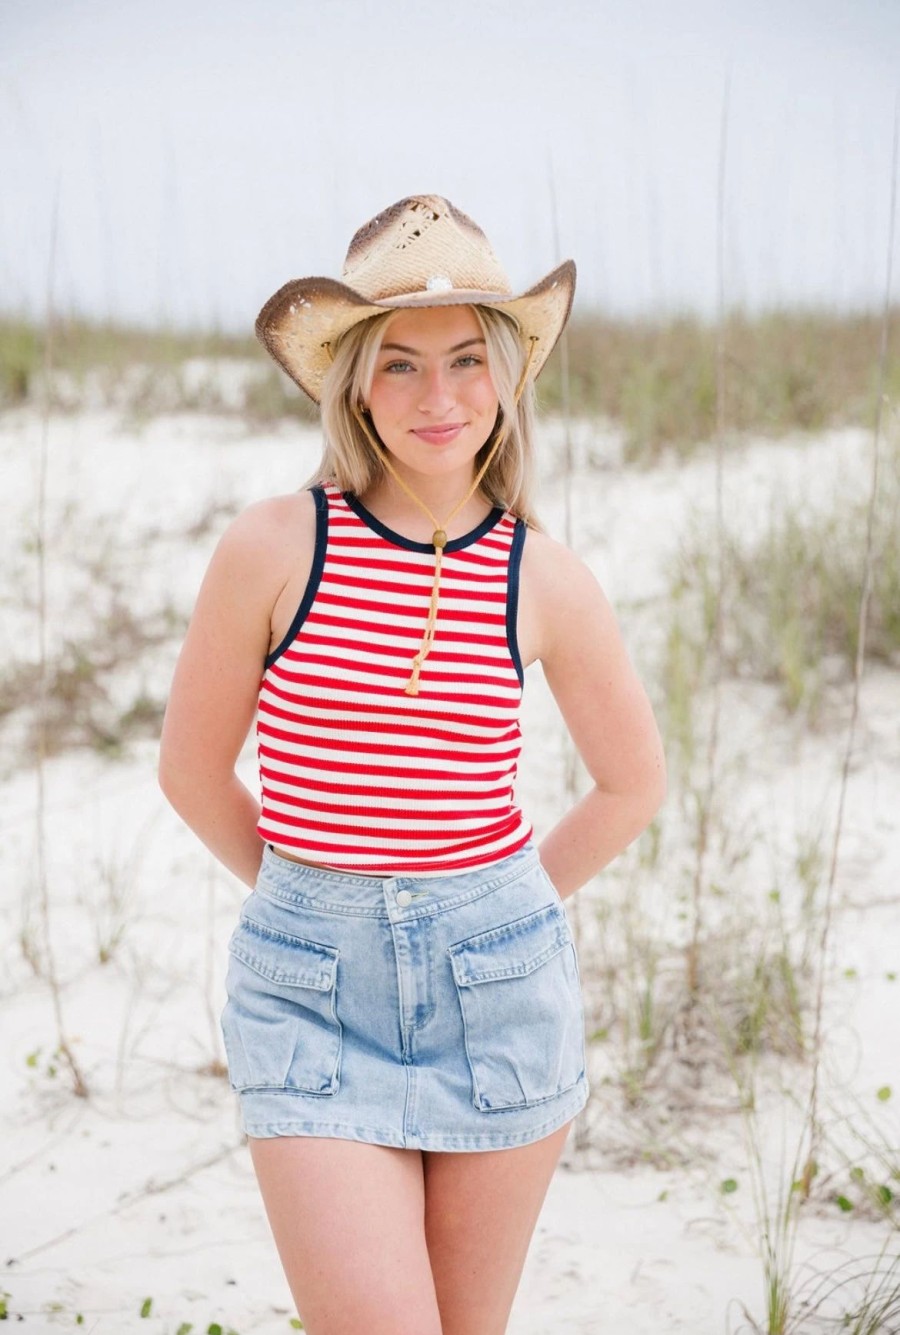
[398,366]
[468,359]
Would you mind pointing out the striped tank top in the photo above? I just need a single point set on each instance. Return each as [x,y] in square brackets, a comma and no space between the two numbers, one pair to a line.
[358,775]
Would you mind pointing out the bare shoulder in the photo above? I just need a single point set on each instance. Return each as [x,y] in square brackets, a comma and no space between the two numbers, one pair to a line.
[272,525]
[267,541]
[563,601]
[262,558]
[550,562]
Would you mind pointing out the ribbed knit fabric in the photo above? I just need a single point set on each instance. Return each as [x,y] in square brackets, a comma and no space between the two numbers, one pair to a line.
[355,773]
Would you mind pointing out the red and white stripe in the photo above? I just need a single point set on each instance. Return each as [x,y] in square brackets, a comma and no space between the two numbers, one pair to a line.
[355,773]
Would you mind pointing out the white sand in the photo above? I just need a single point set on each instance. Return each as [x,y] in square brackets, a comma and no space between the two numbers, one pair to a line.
[144,1190]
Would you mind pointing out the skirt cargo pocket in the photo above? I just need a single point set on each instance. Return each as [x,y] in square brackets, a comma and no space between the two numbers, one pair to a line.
[280,1024]
[520,995]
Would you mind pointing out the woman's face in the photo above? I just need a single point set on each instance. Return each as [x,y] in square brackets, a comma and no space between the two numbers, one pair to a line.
[432,400]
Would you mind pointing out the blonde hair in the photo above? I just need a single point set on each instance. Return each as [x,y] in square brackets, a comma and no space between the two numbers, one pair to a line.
[348,458]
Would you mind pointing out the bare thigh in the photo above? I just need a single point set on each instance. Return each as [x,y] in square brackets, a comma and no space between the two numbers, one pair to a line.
[480,1213]
[348,1222]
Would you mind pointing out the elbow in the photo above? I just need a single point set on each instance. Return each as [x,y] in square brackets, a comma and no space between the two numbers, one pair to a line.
[650,794]
[182,791]
[189,782]
[174,782]
[653,793]
[655,775]
[168,771]
[167,779]
[179,768]
[659,785]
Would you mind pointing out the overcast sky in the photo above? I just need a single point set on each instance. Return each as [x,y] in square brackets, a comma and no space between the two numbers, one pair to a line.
[202,152]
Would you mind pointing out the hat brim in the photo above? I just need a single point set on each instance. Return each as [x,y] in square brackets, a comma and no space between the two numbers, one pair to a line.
[302,321]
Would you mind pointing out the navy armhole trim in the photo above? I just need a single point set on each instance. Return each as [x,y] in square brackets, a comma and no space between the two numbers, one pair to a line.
[315,575]
[512,598]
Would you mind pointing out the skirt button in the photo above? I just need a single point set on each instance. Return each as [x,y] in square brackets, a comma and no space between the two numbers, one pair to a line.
[404,898]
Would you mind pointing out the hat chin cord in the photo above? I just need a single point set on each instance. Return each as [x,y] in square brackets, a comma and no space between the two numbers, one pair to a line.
[439,536]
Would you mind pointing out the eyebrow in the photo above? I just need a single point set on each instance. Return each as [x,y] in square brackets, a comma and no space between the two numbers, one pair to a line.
[414,352]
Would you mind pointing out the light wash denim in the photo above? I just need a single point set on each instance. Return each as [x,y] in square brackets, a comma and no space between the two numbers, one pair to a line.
[437,1013]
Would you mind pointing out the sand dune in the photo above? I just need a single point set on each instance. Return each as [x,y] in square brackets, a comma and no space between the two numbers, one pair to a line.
[144,1190]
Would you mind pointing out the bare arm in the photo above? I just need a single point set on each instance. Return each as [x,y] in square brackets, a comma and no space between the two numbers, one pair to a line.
[216,683]
[605,709]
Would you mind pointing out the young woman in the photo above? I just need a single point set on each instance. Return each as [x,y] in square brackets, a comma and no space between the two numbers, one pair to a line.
[404,1022]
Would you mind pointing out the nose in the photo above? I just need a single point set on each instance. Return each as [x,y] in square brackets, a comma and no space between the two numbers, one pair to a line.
[437,391]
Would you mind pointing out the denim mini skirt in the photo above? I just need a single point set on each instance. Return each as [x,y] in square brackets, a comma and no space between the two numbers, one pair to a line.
[433,1013]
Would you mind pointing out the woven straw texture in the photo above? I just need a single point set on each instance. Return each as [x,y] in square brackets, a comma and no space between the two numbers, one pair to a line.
[421,251]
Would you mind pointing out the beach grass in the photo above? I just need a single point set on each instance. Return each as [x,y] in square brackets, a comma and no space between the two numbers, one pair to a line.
[142,371]
[793,592]
[788,370]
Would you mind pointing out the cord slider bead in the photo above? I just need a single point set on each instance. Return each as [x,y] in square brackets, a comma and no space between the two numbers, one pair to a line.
[412,686]
[439,538]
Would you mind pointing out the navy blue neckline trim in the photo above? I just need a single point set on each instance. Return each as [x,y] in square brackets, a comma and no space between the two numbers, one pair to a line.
[315,575]
[456,545]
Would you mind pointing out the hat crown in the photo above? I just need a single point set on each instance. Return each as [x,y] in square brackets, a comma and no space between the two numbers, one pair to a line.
[421,244]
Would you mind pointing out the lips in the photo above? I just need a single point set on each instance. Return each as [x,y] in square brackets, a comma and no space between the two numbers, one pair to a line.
[440,435]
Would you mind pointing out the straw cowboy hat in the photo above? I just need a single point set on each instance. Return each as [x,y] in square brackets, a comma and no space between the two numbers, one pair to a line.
[419,252]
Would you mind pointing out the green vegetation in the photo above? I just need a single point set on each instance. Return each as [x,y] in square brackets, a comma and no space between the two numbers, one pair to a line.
[80,707]
[791,598]
[142,371]
[785,370]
